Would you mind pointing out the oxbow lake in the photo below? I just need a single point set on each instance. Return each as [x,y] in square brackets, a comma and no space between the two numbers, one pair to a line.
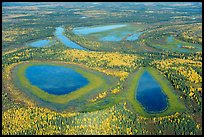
[57,80]
[150,95]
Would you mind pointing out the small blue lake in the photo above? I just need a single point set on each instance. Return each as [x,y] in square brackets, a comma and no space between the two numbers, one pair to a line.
[66,41]
[40,43]
[150,95]
[55,80]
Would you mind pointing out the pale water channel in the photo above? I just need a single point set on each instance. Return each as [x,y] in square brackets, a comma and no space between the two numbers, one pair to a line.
[66,41]
[40,43]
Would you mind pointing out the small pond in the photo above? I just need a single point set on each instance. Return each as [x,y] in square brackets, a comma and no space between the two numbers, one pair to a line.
[40,43]
[150,95]
[55,80]
[66,41]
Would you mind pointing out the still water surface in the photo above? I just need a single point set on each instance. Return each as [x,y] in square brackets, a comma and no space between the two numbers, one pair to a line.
[40,43]
[89,30]
[150,95]
[55,80]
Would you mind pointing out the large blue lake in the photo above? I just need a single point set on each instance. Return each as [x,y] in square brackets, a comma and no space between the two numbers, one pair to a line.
[55,80]
[66,41]
[150,95]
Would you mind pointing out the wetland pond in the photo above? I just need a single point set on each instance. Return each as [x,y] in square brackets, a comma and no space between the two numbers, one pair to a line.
[150,95]
[170,39]
[57,80]
[112,33]
[89,30]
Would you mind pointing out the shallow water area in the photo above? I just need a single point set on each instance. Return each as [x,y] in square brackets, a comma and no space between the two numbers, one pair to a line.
[89,30]
[178,45]
[110,33]
[40,43]
[55,80]
[134,36]
[150,95]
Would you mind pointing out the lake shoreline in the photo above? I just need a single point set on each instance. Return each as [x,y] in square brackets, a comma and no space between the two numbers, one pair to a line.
[174,104]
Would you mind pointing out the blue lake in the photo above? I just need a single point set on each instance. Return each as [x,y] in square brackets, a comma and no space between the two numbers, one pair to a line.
[150,95]
[40,43]
[89,30]
[55,80]
[66,41]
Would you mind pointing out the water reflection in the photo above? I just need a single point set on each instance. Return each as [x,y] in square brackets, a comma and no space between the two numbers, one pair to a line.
[56,80]
[150,95]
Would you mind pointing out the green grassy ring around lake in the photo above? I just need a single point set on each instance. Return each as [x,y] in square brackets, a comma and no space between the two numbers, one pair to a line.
[94,82]
[174,105]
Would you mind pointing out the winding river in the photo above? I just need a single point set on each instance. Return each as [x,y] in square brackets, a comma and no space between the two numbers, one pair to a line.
[59,33]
